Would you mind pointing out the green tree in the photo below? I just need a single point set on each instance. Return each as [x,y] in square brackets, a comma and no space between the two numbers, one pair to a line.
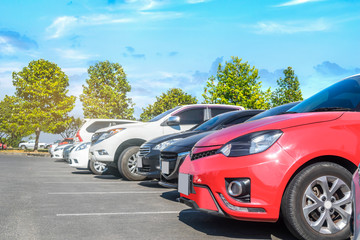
[172,98]
[105,93]
[237,84]
[41,95]
[71,128]
[13,122]
[288,89]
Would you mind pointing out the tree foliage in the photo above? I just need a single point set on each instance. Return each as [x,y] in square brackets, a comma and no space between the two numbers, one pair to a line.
[172,98]
[71,128]
[13,123]
[41,96]
[105,93]
[236,84]
[288,89]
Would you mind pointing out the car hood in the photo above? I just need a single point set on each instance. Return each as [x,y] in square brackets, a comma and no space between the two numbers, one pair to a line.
[164,138]
[127,126]
[275,122]
[187,142]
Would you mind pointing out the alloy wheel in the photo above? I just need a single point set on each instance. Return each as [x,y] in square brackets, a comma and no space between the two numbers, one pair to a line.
[327,204]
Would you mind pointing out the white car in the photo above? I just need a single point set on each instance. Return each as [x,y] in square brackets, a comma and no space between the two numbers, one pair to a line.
[89,126]
[58,152]
[31,144]
[79,158]
[118,146]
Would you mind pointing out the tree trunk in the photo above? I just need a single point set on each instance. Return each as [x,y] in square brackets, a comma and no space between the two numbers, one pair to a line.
[37,132]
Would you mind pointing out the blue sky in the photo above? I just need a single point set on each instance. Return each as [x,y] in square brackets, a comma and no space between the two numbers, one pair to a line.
[164,44]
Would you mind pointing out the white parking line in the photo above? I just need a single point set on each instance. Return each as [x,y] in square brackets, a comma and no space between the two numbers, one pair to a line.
[120,213]
[80,193]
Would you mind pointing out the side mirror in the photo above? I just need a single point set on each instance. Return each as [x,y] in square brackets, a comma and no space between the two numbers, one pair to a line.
[173,120]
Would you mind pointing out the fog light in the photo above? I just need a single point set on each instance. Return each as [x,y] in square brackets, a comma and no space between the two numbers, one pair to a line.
[235,188]
[238,188]
[103,152]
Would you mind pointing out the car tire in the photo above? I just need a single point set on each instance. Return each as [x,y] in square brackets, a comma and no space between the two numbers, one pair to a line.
[127,164]
[97,168]
[317,204]
[23,147]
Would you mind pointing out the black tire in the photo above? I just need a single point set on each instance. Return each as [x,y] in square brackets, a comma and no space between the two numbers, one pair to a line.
[97,168]
[299,210]
[23,147]
[127,164]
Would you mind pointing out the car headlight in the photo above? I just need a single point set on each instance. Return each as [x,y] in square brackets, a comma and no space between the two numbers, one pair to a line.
[83,146]
[110,133]
[251,143]
[163,145]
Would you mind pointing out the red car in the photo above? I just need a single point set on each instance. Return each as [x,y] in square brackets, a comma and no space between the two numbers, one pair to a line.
[298,165]
[3,146]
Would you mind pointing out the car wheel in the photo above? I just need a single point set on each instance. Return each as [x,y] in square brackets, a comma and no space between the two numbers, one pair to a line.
[127,164]
[23,147]
[97,168]
[317,203]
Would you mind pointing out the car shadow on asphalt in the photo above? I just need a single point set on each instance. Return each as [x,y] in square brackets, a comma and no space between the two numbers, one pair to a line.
[150,183]
[226,227]
[60,161]
[82,172]
[107,177]
[171,195]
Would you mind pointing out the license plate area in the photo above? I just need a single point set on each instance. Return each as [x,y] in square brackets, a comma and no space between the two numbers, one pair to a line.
[139,162]
[165,167]
[184,183]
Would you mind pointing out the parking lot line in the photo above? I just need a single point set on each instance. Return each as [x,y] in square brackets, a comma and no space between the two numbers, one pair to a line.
[119,213]
[80,193]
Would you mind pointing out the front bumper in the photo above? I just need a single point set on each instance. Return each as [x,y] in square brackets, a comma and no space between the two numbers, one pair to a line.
[265,170]
[150,164]
[79,159]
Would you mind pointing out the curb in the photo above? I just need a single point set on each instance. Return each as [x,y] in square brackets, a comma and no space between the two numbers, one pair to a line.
[25,154]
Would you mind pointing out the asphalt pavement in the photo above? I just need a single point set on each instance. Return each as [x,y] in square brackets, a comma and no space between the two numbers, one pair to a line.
[43,198]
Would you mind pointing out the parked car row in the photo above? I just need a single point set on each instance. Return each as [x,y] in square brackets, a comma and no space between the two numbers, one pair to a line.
[297,161]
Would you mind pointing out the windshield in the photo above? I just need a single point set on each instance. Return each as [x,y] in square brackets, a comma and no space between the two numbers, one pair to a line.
[342,96]
[273,111]
[160,116]
[215,121]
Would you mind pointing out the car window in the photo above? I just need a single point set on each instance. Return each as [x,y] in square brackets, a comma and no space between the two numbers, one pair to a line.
[273,111]
[344,94]
[236,121]
[191,116]
[158,117]
[217,110]
[97,125]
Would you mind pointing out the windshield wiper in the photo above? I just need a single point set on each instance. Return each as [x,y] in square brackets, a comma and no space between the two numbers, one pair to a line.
[325,109]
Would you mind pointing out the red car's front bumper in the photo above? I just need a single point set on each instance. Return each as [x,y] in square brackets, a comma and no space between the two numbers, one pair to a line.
[268,179]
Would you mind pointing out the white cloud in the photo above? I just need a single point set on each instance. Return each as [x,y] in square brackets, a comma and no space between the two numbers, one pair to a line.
[292,27]
[63,24]
[296,2]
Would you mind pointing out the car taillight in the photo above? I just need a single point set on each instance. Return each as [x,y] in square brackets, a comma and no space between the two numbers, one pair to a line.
[78,136]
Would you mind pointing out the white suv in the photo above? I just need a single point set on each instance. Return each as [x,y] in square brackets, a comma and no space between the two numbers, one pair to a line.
[89,126]
[118,146]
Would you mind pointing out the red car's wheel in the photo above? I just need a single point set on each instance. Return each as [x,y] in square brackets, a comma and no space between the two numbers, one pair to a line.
[317,204]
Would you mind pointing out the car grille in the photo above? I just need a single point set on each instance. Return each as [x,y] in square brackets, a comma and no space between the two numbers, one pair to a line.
[144,150]
[203,154]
